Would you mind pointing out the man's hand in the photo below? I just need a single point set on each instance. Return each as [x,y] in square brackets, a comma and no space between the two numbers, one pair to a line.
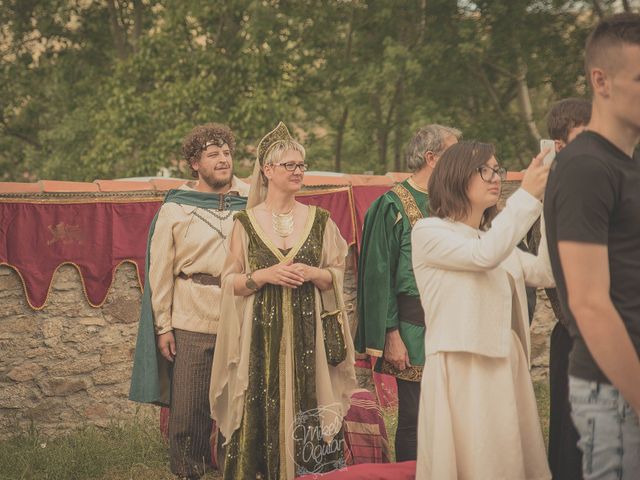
[395,352]
[167,345]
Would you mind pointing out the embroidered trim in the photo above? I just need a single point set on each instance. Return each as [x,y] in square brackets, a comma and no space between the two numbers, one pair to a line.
[374,352]
[408,203]
[62,198]
[211,225]
[311,216]
[84,287]
[411,374]
[285,345]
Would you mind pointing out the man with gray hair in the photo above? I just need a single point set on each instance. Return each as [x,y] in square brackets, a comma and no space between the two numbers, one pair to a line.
[391,320]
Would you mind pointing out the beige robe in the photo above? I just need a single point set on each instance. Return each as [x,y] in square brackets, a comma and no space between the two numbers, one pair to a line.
[183,243]
[230,375]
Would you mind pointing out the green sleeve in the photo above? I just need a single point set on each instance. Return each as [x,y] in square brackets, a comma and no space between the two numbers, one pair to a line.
[377,305]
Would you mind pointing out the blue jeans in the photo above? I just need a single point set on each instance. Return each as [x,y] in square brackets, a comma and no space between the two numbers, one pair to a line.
[609,431]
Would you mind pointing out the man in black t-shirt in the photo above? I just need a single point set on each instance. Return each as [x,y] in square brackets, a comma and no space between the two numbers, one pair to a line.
[592,210]
[566,120]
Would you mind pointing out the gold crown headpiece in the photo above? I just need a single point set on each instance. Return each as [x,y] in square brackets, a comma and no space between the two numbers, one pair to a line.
[278,134]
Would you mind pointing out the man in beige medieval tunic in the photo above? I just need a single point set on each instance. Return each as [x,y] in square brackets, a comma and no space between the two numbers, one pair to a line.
[187,248]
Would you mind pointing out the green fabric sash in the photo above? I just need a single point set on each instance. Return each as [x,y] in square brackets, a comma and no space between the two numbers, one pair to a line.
[151,372]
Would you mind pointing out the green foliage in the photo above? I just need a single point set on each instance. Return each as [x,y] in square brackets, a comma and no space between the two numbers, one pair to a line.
[108,89]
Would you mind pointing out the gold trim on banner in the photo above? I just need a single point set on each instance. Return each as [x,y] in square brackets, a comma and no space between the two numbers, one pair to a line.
[84,287]
[66,198]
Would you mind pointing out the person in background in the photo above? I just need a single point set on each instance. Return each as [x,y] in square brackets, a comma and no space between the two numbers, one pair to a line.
[390,317]
[566,120]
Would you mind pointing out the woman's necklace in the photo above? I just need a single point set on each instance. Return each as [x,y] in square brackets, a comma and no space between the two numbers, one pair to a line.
[282,223]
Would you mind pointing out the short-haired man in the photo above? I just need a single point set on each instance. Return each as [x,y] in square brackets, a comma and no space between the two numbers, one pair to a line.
[592,210]
[391,319]
[566,120]
[181,304]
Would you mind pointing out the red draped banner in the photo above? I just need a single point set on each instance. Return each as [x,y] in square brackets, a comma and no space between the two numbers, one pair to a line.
[96,234]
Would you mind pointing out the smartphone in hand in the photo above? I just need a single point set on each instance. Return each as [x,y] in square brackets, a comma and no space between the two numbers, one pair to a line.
[551,154]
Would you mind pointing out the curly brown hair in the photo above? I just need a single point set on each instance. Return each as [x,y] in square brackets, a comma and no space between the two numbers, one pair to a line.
[194,143]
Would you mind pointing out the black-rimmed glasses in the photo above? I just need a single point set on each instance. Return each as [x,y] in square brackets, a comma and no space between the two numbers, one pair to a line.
[487,173]
[291,166]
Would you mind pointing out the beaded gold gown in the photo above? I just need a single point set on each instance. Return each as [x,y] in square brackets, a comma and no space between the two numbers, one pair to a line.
[292,402]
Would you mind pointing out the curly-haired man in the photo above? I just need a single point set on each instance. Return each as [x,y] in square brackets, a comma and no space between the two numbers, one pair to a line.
[181,306]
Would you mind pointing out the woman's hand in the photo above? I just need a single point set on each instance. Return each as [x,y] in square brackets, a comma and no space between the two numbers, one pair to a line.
[320,277]
[535,177]
[307,272]
[283,274]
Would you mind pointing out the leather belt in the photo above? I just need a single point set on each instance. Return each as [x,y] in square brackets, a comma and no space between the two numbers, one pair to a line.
[201,278]
[410,309]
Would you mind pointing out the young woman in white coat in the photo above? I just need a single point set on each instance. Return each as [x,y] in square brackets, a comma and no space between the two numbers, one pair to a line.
[478,416]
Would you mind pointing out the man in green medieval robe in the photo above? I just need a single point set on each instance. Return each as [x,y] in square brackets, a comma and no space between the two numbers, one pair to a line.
[391,323]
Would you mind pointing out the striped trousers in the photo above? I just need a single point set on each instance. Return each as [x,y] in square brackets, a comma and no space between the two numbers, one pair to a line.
[189,419]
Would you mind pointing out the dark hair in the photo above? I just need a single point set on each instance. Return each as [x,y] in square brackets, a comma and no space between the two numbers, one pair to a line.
[610,32]
[567,114]
[450,180]
[194,143]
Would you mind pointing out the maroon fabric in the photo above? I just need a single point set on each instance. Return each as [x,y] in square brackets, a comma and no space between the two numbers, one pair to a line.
[339,204]
[386,389]
[365,433]
[370,471]
[37,238]
[385,385]
[363,197]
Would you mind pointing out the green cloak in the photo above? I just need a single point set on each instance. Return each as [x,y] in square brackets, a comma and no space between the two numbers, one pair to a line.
[384,272]
[150,377]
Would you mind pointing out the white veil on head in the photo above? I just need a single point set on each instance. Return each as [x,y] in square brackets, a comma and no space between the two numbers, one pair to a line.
[258,191]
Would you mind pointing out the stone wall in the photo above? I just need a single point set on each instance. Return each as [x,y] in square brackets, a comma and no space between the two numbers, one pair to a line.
[69,364]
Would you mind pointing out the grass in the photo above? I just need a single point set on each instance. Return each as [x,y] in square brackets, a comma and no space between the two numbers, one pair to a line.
[541,389]
[130,450]
[121,451]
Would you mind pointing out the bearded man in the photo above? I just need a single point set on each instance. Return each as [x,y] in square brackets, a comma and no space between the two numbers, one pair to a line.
[181,304]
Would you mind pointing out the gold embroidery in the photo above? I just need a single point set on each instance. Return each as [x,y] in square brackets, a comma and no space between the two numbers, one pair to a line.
[411,374]
[408,203]
[285,345]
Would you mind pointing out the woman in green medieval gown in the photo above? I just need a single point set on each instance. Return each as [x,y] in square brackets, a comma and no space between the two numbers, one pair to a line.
[275,397]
